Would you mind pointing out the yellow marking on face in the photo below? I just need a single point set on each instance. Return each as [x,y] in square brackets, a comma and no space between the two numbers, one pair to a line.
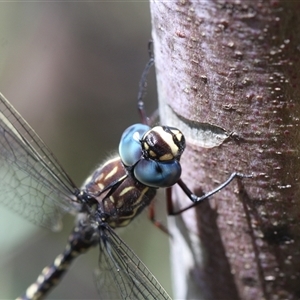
[175,131]
[152,154]
[168,139]
[166,157]
[145,146]
[178,134]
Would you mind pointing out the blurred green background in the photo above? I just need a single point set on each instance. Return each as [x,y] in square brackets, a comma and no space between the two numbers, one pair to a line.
[72,70]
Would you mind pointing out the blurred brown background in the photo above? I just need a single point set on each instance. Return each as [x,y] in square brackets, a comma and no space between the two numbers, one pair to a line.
[72,70]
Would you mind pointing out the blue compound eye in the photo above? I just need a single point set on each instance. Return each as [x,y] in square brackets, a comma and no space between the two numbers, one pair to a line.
[130,149]
[157,174]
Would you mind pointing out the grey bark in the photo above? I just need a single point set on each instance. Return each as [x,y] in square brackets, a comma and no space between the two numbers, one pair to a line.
[227,75]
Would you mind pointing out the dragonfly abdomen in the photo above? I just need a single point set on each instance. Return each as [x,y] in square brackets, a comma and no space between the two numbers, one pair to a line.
[80,240]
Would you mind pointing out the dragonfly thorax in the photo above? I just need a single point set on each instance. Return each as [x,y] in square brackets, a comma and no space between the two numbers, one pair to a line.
[119,195]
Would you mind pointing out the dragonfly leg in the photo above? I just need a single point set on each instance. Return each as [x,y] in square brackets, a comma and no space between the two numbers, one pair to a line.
[199,199]
[158,224]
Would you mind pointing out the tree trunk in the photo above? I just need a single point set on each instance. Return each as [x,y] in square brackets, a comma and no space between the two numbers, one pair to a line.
[227,75]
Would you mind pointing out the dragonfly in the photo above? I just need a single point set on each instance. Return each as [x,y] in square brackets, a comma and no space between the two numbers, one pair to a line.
[35,185]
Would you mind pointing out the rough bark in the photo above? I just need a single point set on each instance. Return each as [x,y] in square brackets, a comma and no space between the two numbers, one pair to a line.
[227,75]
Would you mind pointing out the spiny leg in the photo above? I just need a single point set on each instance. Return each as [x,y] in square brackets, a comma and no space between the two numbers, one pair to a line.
[199,199]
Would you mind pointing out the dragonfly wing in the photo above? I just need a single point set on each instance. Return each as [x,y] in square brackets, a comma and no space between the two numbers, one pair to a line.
[32,182]
[122,271]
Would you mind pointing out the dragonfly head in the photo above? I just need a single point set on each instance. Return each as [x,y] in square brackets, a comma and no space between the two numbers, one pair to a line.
[153,154]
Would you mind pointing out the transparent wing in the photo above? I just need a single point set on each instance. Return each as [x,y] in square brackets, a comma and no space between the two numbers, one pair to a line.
[122,274]
[32,182]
